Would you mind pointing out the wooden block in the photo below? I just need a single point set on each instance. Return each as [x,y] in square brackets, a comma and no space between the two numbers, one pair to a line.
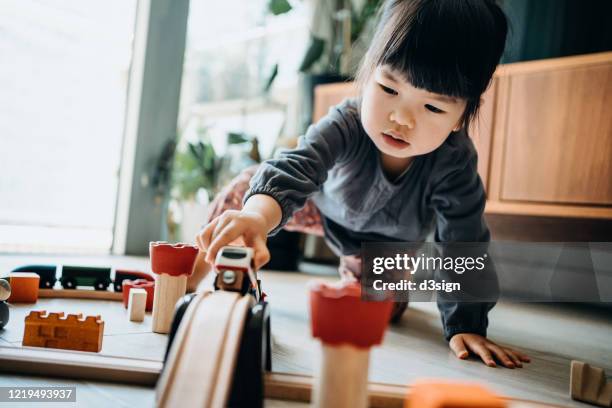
[168,290]
[24,287]
[146,285]
[589,384]
[172,264]
[137,304]
[72,332]
[436,394]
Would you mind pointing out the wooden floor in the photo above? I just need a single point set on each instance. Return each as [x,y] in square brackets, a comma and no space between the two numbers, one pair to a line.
[551,334]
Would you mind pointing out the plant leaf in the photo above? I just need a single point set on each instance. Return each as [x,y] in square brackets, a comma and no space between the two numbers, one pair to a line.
[277,7]
[315,50]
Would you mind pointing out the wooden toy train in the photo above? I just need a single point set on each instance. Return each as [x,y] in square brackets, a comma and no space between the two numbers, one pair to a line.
[72,276]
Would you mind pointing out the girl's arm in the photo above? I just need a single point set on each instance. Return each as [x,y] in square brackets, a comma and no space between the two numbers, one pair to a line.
[281,186]
[297,174]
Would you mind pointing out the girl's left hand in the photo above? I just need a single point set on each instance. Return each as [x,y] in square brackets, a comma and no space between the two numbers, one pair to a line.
[486,350]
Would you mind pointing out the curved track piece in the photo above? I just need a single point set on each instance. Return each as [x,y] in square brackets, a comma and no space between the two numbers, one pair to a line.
[202,357]
[179,312]
[254,357]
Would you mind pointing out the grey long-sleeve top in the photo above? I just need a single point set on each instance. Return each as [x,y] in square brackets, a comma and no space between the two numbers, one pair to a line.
[339,168]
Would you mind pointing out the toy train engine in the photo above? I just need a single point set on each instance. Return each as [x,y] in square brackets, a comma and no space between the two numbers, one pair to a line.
[235,272]
[73,276]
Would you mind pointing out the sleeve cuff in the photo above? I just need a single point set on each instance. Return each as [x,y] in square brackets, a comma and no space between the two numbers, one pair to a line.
[285,207]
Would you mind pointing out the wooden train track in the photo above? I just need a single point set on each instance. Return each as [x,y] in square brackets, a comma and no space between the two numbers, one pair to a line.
[125,370]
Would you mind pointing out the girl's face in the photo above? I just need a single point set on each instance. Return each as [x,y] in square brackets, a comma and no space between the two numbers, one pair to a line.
[404,121]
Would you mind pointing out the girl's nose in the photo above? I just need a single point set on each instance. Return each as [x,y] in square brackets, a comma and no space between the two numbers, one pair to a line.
[402,118]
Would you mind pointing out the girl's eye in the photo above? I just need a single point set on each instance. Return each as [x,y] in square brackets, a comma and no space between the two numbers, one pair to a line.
[388,90]
[433,109]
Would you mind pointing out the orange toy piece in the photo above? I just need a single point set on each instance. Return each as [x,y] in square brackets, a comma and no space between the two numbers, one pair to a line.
[437,394]
[53,330]
[147,285]
[24,287]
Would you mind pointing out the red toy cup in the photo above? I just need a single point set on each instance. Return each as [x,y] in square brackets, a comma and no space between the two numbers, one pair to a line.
[339,316]
[148,286]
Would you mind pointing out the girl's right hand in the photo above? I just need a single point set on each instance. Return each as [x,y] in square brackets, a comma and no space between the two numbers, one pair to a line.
[248,226]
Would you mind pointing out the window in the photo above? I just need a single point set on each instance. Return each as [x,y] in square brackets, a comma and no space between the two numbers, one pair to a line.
[62,102]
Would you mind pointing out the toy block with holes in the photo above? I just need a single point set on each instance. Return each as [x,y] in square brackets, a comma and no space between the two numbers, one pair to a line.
[589,384]
[172,264]
[146,285]
[24,287]
[73,332]
[136,304]
[348,327]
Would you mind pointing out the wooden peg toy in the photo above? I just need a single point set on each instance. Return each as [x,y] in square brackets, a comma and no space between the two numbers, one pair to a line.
[72,332]
[137,303]
[24,287]
[172,264]
[147,285]
[439,394]
[589,384]
[348,328]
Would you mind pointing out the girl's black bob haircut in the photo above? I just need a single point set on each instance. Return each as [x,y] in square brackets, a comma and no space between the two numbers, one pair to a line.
[449,47]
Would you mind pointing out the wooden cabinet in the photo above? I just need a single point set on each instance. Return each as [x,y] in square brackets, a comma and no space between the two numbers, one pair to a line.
[544,136]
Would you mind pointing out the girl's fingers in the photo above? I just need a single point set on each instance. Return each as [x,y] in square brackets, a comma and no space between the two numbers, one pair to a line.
[229,233]
[501,355]
[512,354]
[222,222]
[483,352]
[458,346]
[204,236]
[521,356]
[262,254]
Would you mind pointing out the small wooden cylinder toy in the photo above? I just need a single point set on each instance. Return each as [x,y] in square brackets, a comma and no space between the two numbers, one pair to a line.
[148,286]
[172,264]
[136,305]
[348,328]
[24,287]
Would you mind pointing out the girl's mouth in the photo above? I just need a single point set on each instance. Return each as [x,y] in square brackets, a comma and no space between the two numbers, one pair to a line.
[393,142]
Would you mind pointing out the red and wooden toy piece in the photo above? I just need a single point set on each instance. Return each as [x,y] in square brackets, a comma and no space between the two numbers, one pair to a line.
[172,264]
[72,332]
[148,286]
[348,328]
[24,287]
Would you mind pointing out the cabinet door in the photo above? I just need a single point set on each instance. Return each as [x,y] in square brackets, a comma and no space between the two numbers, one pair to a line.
[558,144]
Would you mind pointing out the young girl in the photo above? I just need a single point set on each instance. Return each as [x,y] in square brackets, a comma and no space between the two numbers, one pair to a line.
[391,165]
